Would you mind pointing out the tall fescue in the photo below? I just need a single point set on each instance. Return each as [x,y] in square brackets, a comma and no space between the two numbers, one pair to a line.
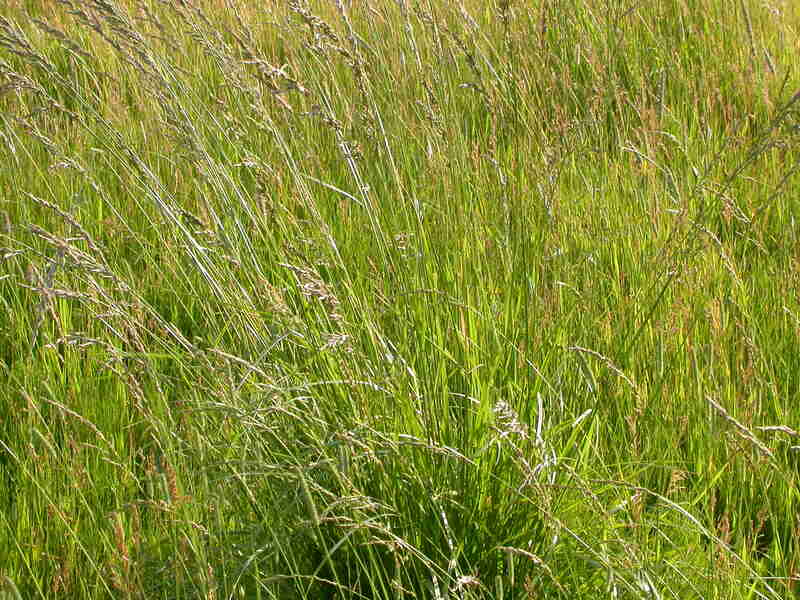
[418,299]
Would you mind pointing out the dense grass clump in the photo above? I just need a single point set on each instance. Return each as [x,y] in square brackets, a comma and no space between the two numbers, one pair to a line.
[425,299]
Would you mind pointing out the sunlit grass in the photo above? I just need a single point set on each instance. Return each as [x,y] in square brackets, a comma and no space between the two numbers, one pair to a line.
[394,300]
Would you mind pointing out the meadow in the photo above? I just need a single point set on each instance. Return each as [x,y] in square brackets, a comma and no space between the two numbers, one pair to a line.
[429,299]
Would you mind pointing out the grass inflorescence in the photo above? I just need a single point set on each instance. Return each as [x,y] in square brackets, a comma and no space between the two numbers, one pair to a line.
[420,299]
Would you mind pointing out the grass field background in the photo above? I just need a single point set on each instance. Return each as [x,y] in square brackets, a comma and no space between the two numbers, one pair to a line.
[415,299]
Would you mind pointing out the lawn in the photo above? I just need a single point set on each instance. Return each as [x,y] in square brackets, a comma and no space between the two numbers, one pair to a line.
[426,299]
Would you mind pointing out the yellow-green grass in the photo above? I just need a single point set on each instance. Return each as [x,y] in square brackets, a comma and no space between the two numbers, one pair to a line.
[394,300]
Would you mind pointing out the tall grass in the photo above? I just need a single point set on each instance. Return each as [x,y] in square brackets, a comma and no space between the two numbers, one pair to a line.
[399,300]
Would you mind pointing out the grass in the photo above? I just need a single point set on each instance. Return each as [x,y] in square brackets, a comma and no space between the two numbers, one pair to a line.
[399,300]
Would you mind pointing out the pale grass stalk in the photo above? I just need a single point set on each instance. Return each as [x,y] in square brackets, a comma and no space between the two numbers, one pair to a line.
[743,431]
